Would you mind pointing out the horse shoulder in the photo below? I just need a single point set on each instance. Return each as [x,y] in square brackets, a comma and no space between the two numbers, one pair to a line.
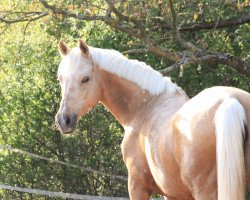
[133,152]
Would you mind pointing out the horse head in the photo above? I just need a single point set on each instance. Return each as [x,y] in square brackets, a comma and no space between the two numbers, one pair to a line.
[79,83]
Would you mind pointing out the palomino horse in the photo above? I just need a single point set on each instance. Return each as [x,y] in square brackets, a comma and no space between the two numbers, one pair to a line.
[180,148]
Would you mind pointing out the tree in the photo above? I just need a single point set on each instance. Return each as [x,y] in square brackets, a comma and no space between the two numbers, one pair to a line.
[152,23]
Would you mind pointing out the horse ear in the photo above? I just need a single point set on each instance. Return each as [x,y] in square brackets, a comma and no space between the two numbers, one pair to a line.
[63,48]
[84,48]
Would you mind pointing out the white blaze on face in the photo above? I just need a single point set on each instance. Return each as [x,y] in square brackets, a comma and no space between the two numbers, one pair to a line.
[74,65]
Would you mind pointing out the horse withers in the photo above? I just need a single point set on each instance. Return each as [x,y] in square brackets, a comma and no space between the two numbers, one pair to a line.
[182,149]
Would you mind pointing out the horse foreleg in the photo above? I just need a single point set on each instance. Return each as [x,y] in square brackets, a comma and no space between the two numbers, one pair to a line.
[137,189]
[140,180]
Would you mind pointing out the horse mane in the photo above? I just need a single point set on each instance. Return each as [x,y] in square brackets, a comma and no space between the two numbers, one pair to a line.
[133,70]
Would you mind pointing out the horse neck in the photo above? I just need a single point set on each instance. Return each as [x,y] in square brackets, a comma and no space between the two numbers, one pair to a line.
[122,97]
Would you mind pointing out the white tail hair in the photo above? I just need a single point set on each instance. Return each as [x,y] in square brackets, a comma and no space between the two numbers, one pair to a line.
[229,122]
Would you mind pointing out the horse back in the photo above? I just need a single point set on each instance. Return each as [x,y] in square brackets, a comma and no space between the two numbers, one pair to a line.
[195,139]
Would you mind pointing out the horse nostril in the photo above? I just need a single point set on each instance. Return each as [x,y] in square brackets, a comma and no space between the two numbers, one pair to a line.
[67,120]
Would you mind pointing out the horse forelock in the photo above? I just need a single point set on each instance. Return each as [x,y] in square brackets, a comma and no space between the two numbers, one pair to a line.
[133,70]
[72,62]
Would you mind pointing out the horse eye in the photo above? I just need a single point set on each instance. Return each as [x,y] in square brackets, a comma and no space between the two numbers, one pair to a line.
[85,79]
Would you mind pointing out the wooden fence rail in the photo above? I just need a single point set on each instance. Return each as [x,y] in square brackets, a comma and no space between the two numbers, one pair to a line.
[62,194]
[50,160]
[58,194]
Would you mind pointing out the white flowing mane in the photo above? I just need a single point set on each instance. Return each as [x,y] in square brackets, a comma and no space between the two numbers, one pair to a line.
[132,70]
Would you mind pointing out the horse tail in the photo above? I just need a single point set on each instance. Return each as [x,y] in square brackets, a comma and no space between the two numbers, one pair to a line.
[230,122]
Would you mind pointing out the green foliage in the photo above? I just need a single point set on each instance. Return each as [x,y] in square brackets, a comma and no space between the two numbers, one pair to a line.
[30,97]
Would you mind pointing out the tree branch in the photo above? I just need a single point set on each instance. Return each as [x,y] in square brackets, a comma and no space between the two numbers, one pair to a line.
[243,19]
[115,24]
[173,16]
[107,19]
[122,16]
[186,44]
[141,31]
[135,51]
[23,19]
[221,58]
[239,20]
[184,61]
[71,14]
[5,27]
[204,57]
[164,53]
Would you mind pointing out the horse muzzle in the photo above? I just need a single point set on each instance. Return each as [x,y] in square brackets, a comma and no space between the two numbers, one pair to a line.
[66,122]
